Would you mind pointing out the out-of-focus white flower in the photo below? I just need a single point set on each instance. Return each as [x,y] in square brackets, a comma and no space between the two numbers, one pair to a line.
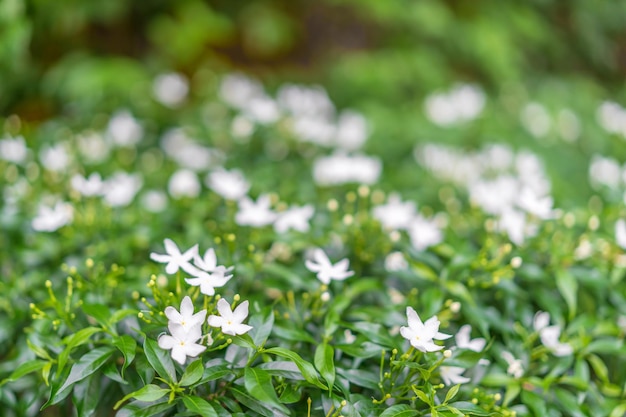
[463,341]
[255,214]
[620,233]
[424,233]
[515,369]
[88,187]
[209,274]
[54,158]
[537,205]
[536,120]
[175,259]
[294,218]
[124,129]
[451,375]
[549,335]
[121,188]
[421,335]
[513,223]
[186,317]
[13,149]
[395,215]
[302,100]
[604,172]
[584,250]
[327,271]
[184,183]
[241,127]
[495,196]
[230,321]
[395,262]
[612,117]
[93,148]
[186,152]
[154,201]
[262,110]
[231,185]
[238,90]
[170,89]
[351,132]
[341,169]
[49,219]
[462,103]
[314,129]
[182,343]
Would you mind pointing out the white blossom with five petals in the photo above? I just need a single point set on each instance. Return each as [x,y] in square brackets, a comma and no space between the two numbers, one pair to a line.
[182,343]
[327,271]
[175,259]
[186,317]
[421,334]
[230,321]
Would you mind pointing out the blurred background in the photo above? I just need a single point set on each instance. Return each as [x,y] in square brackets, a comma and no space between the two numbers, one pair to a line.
[383,58]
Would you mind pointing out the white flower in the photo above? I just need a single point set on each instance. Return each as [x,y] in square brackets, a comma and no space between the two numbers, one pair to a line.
[302,100]
[88,187]
[123,129]
[170,89]
[231,185]
[210,274]
[54,158]
[515,368]
[13,149]
[296,218]
[395,215]
[463,341]
[241,128]
[93,147]
[451,375]
[535,204]
[536,119]
[230,321]
[175,259]
[326,271]
[340,168]
[513,223]
[186,317]
[121,188]
[460,104]
[182,342]
[184,183]
[154,201]
[255,214]
[612,117]
[262,109]
[604,172]
[395,262]
[549,335]
[237,90]
[351,131]
[421,335]
[424,233]
[50,219]
[620,233]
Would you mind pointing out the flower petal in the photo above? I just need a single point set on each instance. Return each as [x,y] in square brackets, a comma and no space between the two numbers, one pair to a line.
[413,319]
[157,257]
[241,312]
[179,354]
[171,248]
[173,315]
[186,307]
[166,341]
[215,321]
[223,307]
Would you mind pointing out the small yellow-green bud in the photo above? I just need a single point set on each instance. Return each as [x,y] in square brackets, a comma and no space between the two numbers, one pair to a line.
[89,263]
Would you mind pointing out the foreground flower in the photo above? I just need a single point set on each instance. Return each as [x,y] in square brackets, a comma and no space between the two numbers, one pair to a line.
[186,317]
[421,335]
[463,340]
[182,342]
[175,259]
[326,271]
[230,321]
[515,368]
[451,375]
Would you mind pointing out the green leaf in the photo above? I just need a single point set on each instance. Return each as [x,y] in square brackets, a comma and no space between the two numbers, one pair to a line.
[512,391]
[128,346]
[24,369]
[215,372]
[399,410]
[265,409]
[121,314]
[140,409]
[258,383]
[293,334]
[568,287]
[306,368]
[148,393]
[99,312]
[193,373]
[262,327]
[86,395]
[245,341]
[86,365]
[619,411]
[452,393]
[324,362]
[160,360]
[77,339]
[607,346]
[535,402]
[199,406]
[599,367]
[38,350]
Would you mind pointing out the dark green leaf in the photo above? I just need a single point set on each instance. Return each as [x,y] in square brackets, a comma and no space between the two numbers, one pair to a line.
[160,360]
[199,406]
[141,409]
[259,385]
[128,346]
[262,326]
[399,410]
[325,364]
[308,371]
[260,407]
[451,393]
[148,393]
[568,287]
[212,373]
[99,312]
[77,339]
